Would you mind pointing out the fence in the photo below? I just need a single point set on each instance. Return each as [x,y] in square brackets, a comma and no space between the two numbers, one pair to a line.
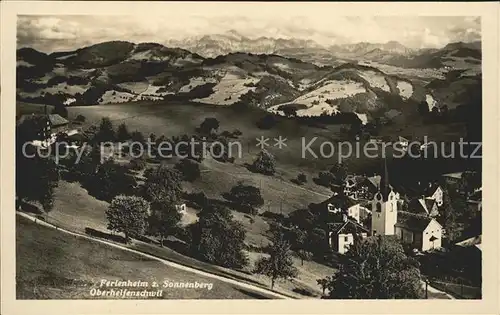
[458,290]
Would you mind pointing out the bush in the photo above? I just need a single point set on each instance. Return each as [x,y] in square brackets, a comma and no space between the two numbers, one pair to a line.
[264,163]
[189,169]
[245,196]
[266,122]
[137,164]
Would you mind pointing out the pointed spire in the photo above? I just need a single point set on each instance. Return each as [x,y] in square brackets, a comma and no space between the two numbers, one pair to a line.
[384,182]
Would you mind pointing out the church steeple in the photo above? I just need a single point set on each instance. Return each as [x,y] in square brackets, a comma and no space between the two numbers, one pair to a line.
[384,182]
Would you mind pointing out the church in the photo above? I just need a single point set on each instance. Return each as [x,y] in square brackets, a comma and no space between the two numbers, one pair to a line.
[422,232]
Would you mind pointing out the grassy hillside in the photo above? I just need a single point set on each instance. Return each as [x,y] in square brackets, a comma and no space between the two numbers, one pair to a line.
[53,265]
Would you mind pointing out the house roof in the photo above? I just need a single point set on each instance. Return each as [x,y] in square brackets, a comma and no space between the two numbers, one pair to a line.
[356,179]
[348,227]
[55,119]
[476,196]
[392,113]
[341,201]
[457,175]
[431,189]
[418,206]
[402,139]
[473,241]
[412,221]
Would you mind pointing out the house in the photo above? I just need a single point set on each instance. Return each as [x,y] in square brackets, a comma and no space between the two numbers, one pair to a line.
[338,205]
[424,206]
[434,192]
[353,187]
[453,178]
[42,129]
[419,229]
[403,142]
[475,201]
[181,208]
[422,232]
[393,115]
[341,235]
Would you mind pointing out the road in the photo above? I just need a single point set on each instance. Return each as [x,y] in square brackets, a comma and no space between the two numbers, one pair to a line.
[268,293]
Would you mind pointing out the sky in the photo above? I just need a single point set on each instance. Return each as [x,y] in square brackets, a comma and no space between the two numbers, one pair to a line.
[51,33]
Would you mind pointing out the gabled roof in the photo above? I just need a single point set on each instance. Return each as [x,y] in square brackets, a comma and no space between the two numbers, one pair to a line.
[374,180]
[340,201]
[356,179]
[431,189]
[57,120]
[473,241]
[418,206]
[457,175]
[348,227]
[412,221]
[392,113]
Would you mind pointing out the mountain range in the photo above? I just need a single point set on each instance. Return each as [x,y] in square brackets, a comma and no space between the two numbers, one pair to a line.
[364,79]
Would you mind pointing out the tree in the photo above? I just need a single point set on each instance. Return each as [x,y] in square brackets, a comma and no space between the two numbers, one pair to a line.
[138,163]
[36,176]
[110,180]
[423,108]
[164,221]
[448,217]
[376,268]
[304,255]
[302,178]
[323,283]
[325,179]
[279,264]
[80,118]
[61,110]
[219,239]
[163,185]
[289,111]
[340,172]
[209,125]
[137,136]
[264,163]
[127,214]
[122,133]
[189,169]
[106,132]
[246,196]
[266,122]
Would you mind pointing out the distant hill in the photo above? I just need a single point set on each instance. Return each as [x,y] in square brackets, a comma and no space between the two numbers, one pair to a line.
[119,71]
[454,55]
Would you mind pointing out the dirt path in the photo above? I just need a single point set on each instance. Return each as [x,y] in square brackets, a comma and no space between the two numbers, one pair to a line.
[268,293]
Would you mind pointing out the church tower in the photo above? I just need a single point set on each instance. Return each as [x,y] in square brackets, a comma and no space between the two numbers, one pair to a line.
[384,207]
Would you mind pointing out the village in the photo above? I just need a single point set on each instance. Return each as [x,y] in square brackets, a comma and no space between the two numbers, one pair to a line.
[363,207]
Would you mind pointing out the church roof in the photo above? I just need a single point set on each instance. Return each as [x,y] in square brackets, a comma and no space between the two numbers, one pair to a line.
[421,205]
[412,221]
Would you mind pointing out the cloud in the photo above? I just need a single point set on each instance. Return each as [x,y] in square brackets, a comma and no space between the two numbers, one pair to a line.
[65,32]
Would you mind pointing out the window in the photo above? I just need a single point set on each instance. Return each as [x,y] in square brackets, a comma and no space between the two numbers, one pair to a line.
[379,207]
[346,238]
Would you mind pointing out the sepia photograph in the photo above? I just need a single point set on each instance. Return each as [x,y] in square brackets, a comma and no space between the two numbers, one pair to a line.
[248,155]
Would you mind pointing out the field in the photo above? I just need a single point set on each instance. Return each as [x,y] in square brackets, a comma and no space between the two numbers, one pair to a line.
[75,210]
[68,267]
